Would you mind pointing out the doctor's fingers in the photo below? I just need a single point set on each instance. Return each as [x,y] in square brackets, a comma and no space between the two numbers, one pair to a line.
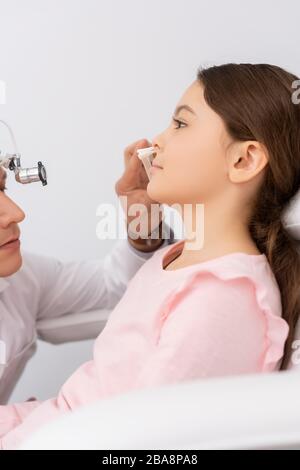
[131,150]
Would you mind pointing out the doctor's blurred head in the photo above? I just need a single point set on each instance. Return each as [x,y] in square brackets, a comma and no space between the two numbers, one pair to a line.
[10,216]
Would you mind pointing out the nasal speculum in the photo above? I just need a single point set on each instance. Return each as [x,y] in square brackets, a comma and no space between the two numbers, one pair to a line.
[146,156]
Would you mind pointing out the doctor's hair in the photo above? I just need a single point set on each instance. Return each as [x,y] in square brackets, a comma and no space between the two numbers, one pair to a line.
[255,103]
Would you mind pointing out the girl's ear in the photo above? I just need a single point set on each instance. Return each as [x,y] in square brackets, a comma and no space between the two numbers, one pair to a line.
[247,159]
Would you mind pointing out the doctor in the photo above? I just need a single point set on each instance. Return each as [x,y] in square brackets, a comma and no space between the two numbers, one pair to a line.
[36,288]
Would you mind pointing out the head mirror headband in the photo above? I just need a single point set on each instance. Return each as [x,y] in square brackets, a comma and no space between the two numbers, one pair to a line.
[13,163]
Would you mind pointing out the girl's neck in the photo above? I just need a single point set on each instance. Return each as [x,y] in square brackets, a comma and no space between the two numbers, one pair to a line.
[214,233]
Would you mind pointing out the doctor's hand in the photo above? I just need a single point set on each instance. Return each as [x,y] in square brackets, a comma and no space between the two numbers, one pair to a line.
[133,185]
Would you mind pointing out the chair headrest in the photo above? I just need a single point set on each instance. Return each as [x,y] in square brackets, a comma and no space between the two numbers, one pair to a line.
[291,217]
[291,222]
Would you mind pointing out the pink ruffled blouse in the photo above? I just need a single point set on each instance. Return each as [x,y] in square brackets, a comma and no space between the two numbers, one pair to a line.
[214,318]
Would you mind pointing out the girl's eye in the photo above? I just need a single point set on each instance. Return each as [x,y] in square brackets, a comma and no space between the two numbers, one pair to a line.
[179,123]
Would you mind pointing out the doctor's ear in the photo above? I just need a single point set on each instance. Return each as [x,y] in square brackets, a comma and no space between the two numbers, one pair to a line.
[246,160]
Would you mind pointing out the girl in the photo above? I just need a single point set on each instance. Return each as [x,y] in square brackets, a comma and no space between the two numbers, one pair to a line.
[227,308]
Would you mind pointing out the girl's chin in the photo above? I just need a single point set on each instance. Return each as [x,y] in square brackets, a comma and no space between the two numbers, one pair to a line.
[158,193]
[154,191]
[156,185]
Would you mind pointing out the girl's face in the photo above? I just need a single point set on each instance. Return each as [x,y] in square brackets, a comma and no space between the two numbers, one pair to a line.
[190,152]
[10,216]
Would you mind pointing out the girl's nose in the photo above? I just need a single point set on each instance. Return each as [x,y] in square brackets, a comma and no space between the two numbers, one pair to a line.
[10,212]
[159,141]
[156,142]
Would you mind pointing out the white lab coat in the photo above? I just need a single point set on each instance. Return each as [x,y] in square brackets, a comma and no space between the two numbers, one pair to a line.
[44,289]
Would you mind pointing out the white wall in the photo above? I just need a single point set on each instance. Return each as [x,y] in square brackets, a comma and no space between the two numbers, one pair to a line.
[87,77]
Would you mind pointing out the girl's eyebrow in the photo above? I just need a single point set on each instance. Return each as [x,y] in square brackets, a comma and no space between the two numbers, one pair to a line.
[184,106]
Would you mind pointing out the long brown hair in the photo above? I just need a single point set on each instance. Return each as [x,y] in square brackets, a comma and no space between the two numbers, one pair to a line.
[255,103]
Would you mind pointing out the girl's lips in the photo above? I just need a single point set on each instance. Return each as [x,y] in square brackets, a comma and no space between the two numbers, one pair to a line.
[154,168]
[13,245]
